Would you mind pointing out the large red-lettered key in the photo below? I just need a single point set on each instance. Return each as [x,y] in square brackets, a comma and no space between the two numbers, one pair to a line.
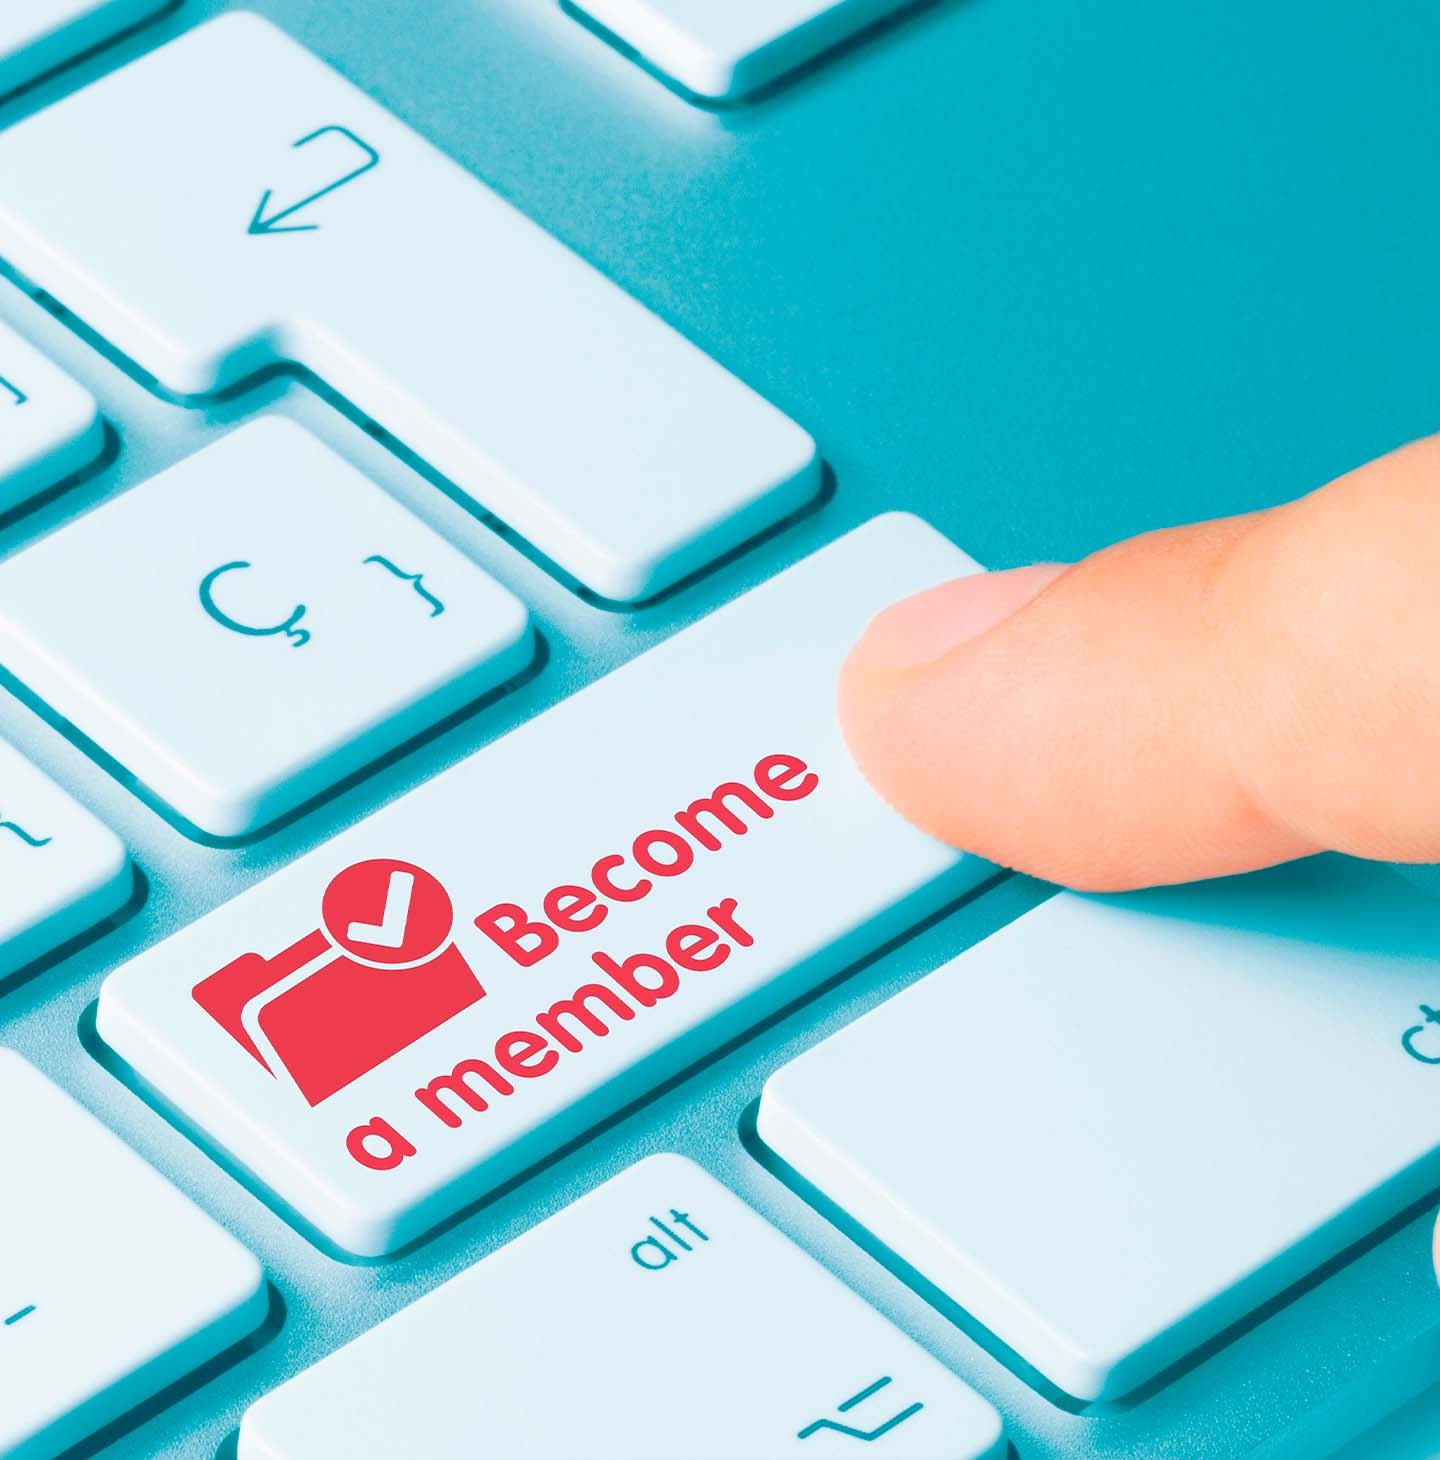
[631,879]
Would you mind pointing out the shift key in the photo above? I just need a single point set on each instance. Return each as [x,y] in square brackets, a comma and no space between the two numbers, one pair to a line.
[446,993]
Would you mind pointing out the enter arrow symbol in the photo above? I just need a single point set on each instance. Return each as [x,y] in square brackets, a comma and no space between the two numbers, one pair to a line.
[263,223]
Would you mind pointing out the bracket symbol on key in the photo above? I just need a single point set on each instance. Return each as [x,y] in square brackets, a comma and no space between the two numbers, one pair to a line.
[14,390]
[299,637]
[1409,1038]
[815,1426]
[415,580]
[260,224]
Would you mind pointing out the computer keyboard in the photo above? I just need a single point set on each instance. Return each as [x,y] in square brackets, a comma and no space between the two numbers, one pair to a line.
[508,1024]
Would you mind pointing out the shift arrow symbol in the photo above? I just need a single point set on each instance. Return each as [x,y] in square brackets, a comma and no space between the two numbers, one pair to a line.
[274,222]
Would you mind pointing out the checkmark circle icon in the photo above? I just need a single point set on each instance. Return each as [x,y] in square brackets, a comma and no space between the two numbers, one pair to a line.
[386,913]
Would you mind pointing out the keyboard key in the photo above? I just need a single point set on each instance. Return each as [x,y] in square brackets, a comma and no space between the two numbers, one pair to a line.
[1119,1125]
[38,35]
[112,1284]
[575,912]
[61,871]
[675,1324]
[722,51]
[50,427]
[275,622]
[300,223]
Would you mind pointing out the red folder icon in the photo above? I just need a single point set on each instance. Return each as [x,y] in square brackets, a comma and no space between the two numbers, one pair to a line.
[378,974]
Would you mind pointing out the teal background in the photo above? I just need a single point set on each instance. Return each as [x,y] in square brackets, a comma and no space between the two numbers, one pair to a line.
[1045,273]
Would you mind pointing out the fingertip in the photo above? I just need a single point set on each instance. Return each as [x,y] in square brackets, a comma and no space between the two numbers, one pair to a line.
[906,637]
[924,627]
[880,696]
[1075,734]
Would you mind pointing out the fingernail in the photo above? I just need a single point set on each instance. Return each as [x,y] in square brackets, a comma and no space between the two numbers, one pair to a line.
[925,627]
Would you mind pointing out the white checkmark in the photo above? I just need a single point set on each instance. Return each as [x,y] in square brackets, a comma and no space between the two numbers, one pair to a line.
[389,932]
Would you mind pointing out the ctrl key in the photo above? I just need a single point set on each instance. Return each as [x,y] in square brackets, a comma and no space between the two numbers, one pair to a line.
[112,1284]
[657,1317]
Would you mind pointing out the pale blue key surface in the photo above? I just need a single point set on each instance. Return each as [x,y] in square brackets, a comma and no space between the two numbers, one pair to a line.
[659,1318]
[61,870]
[725,49]
[112,1284]
[1118,1125]
[273,622]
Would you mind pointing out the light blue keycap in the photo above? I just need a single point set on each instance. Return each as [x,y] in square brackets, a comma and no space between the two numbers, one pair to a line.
[1118,1125]
[112,1284]
[723,49]
[486,967]
[658,1318]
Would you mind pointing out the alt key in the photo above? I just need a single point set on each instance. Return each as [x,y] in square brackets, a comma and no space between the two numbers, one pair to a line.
[657,1317]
